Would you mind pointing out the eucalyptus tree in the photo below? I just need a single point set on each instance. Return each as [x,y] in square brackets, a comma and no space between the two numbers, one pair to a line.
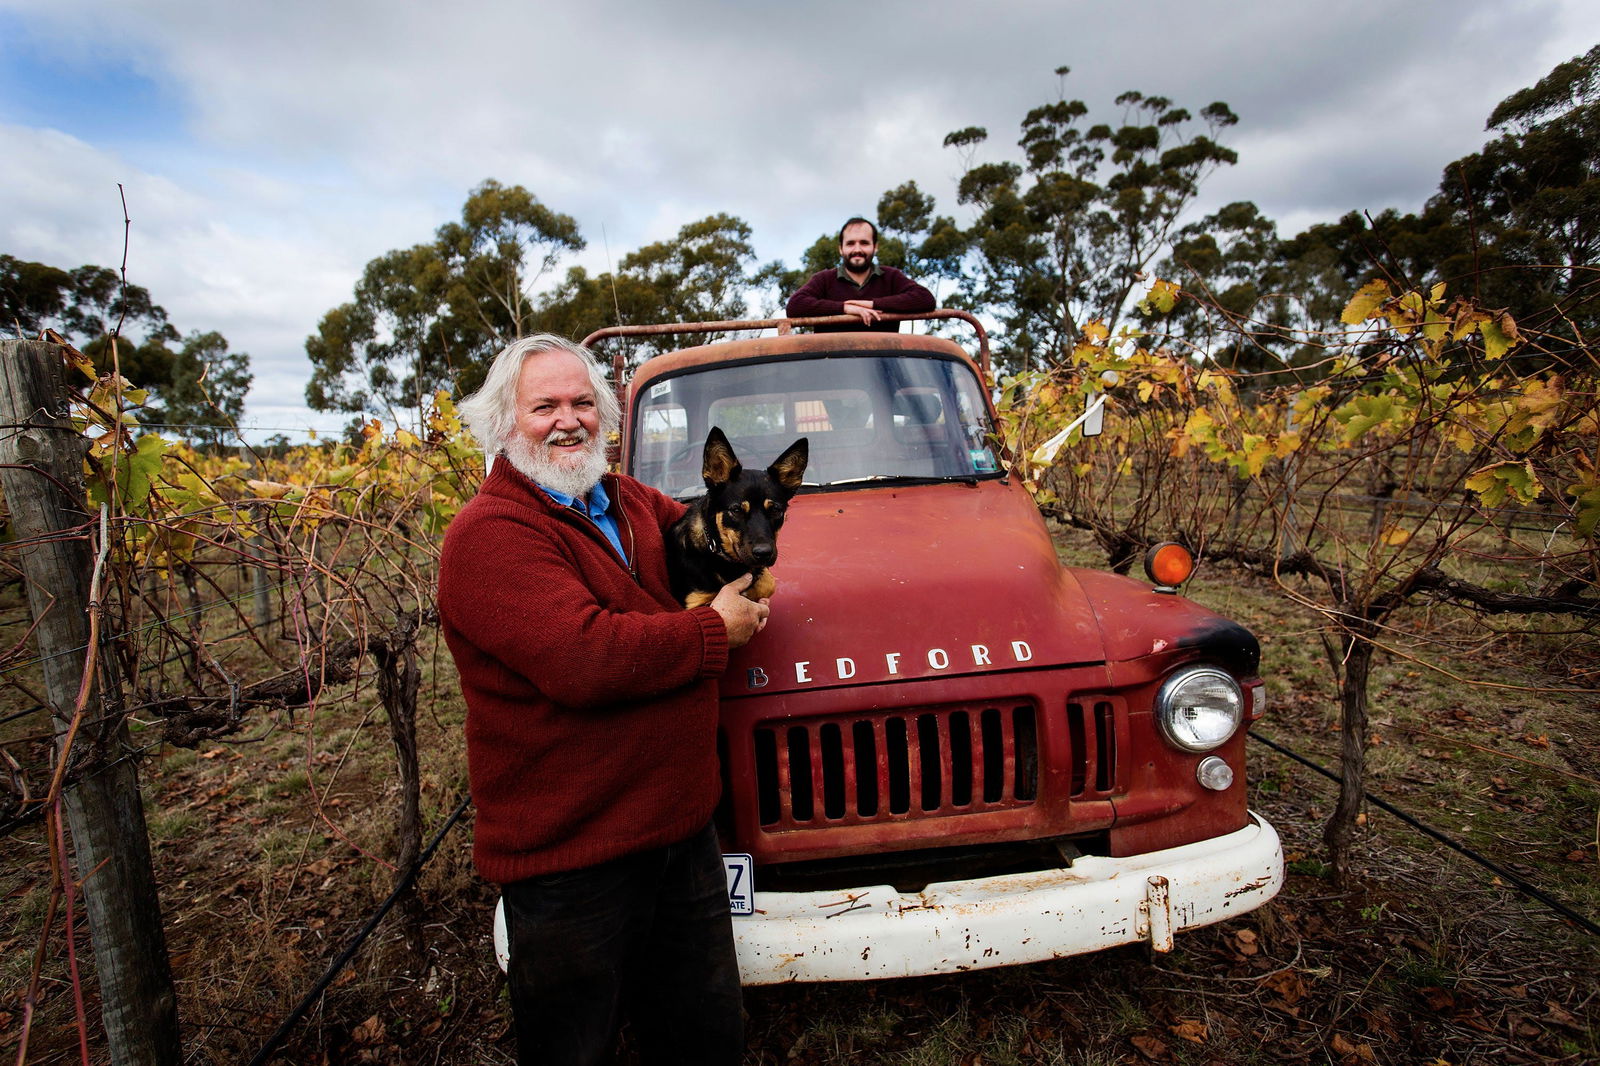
[196,384]
[432,315]
[1066,236]
[706,272]
[1514,225]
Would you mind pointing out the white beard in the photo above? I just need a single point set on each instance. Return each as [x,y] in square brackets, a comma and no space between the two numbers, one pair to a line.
[568,474]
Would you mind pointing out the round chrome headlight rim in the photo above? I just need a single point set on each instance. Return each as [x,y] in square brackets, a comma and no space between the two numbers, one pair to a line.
[1199,708]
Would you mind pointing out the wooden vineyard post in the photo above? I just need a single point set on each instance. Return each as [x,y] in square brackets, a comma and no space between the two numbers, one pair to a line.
[41,469]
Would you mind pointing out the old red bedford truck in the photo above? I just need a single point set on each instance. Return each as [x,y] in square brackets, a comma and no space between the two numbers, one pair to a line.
[947,751]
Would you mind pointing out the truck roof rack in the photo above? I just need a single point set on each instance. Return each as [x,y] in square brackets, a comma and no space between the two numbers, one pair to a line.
[783,326]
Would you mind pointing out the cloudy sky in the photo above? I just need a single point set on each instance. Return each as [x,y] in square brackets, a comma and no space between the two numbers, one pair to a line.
[269,151]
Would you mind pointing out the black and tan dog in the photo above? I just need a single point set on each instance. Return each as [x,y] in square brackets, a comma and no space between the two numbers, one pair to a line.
[733,529]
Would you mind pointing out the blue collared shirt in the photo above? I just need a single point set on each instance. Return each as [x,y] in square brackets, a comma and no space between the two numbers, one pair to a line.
[595,509]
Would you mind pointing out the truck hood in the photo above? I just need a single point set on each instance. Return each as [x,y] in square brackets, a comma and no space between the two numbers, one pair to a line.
[915,581]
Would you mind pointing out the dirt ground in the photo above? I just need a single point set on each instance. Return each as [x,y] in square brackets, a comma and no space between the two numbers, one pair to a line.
[1423,958]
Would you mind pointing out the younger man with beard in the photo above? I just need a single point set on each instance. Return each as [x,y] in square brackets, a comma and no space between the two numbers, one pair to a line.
[859,286]
[591,727]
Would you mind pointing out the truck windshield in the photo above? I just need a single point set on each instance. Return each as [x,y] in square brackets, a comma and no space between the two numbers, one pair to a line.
[868,418]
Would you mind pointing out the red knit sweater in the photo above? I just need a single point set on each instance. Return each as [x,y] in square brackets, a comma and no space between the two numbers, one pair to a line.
[591,694]
[826,291]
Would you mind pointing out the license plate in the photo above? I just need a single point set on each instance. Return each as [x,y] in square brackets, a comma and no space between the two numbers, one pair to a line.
[741,871]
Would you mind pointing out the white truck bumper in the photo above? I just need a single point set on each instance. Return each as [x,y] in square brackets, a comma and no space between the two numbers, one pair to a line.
[874,932]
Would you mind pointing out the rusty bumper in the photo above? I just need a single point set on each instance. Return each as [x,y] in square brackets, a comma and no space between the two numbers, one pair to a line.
[875,932]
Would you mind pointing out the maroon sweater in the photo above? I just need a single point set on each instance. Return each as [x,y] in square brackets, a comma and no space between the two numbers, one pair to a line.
[887,288]
[591,694]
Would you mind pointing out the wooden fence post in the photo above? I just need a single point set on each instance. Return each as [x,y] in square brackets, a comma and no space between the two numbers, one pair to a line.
[41,467]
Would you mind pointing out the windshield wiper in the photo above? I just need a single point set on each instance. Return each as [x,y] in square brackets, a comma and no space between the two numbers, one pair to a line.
[904,477]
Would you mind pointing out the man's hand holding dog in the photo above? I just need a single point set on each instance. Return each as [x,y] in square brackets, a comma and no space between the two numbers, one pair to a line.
[744,618]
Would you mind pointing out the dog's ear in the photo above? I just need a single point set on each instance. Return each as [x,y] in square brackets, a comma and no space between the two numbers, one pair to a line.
[789,469]
[720,465]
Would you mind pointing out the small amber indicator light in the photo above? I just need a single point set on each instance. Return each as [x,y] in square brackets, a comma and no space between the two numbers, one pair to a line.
[1168,565]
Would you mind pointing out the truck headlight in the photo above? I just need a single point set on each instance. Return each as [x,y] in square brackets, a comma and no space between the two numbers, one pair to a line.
[1199,708]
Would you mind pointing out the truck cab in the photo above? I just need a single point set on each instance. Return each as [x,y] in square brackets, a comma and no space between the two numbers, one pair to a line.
[948,751]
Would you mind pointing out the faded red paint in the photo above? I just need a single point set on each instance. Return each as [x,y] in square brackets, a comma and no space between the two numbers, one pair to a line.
[932,677]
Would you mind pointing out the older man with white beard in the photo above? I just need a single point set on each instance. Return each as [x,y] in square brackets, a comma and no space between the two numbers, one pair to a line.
[591,727]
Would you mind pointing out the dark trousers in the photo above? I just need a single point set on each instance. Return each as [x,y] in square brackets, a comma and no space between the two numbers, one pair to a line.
[646,938]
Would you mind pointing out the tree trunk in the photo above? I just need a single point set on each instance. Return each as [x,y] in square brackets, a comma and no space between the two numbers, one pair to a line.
[1341,827]
[43,484]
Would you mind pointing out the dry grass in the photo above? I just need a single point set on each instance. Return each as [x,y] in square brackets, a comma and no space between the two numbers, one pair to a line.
[266,852]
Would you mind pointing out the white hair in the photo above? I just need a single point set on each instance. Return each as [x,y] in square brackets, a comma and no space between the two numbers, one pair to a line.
[491,412]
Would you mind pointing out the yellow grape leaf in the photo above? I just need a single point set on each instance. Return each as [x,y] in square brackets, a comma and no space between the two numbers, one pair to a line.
[136,474]
[1465,319]
[1096,332]
[1082,469]
[1586,495]
[1396,537]
[1181,442]
[1362,414]
[405,439]
[1288,444]
[1500,335]
[1146,389]
[1497,483]
[1406,312]
[78,361]
[1257,450]
[1365,303]
[268,490]
[1161,299]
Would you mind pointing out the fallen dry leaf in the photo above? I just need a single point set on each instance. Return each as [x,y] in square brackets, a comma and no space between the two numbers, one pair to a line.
[1437,999]
[1346,1050]
[1192,1031]
[1153,1048]
[1288,986]
[369,1032]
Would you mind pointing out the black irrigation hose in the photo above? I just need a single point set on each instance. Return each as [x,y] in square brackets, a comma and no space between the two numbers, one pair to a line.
[311,997]
[1523,886]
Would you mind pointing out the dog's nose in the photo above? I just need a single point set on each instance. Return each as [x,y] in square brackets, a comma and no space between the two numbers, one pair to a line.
[765,554]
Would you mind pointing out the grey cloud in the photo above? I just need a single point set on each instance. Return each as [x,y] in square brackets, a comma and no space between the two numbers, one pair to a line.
[320,135]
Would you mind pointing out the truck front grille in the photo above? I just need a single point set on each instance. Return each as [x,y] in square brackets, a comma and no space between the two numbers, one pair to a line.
[914,764]
[1092,727]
